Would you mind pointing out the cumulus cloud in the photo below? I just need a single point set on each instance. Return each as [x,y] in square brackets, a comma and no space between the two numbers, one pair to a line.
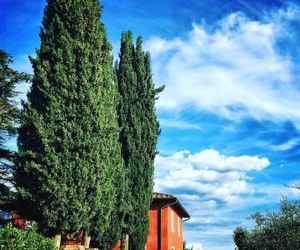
[218,191]
[209,173]
[210,185]
[235,69]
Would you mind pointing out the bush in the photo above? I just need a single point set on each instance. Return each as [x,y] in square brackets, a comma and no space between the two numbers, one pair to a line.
[17,239]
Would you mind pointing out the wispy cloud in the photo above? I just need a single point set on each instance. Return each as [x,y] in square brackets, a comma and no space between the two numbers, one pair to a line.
[170,123]
[287,145]
[236,69]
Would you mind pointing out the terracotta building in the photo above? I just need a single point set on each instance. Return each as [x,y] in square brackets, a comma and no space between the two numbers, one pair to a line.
[166,223]
[166,216]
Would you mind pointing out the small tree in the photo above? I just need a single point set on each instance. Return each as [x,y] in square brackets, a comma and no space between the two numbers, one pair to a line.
[9,118]
[279,230]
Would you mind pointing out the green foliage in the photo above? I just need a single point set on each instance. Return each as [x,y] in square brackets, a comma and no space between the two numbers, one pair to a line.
[114,233]
[279,230]
[240,236]
[9,112]
[139,134]
[111,236]
[69,153]
[16,239]
[9,117]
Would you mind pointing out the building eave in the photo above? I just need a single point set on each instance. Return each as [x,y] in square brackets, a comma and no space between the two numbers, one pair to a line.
[171,200]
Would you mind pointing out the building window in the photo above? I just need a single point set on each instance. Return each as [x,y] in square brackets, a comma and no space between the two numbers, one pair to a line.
[178,223]
[172,222]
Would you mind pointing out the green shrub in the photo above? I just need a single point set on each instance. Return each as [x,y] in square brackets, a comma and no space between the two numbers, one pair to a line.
[17,239]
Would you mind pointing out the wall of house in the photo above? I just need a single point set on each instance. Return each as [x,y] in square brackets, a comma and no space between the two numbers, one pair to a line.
[170,240]
[152,241]
[175,237]
[165,228]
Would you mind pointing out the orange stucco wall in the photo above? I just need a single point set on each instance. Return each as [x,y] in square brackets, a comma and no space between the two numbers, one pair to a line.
[152,241]
[165,229]
[168,239]
[175,239]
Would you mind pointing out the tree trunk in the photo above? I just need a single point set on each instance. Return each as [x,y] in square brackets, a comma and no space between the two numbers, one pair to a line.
[86,242]
[125,241]
[57,240]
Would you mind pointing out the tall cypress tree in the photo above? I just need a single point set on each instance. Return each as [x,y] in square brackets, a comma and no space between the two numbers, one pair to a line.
[69,153]
[139,133]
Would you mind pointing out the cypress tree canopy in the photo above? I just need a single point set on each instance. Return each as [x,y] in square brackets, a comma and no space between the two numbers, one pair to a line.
[139,133]
[69,152]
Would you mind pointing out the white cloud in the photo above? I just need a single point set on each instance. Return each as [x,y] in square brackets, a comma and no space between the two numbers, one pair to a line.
[209,184]
[158,46]
[218,191]
[173,123]
[195,245]
[286,146]
[22,64]
[235,70]
[22,90]
[208,173]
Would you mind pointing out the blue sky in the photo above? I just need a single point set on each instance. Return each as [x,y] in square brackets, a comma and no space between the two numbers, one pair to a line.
[230,112]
